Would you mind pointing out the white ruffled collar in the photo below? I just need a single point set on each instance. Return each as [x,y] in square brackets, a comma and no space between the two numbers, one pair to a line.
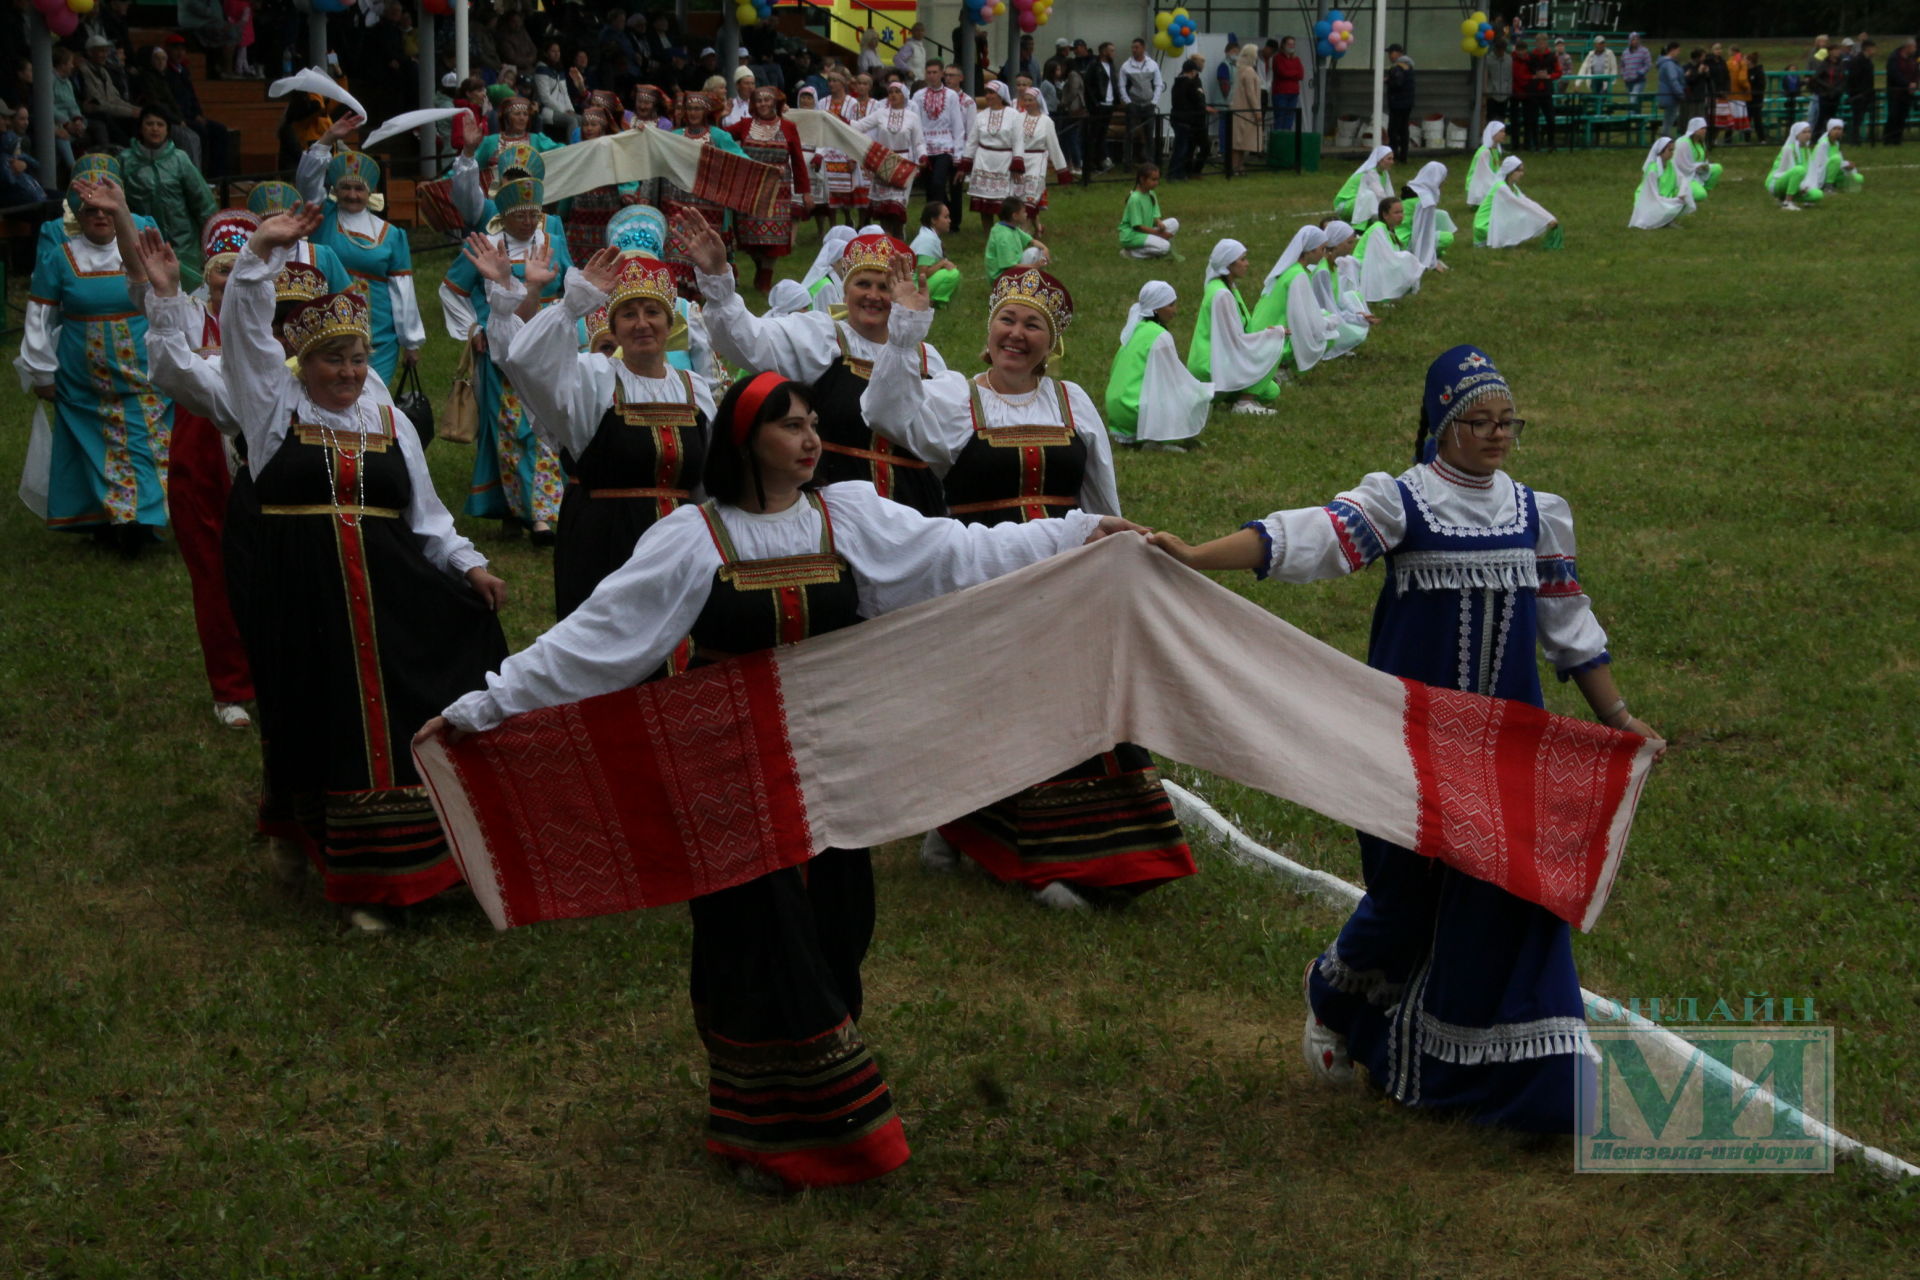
[361,418]
[89,256]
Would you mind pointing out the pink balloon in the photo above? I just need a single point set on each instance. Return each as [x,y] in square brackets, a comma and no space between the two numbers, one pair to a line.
[62,21]
[1028,22]
[48,6]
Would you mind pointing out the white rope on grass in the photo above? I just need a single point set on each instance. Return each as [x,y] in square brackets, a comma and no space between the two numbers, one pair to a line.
[1197,813]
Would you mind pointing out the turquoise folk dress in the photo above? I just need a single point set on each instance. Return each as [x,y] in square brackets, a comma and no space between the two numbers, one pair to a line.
[111,428]
[375,254]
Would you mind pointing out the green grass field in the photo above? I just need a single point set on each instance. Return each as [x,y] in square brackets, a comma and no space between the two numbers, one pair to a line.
[201,1077]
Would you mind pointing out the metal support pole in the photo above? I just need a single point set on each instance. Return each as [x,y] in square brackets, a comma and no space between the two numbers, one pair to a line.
[1379,73]
[460,64]
[429,65]
[42,109]
[969,74]
[317,40]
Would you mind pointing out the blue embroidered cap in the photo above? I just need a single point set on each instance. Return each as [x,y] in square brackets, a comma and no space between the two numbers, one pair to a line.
[354,164]
[638,228]
[1457,378]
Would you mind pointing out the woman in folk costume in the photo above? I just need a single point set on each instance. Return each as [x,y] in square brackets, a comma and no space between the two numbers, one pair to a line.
[839,169]
[585,216]
[861,104]
[834,357]
[1230,350]
[1016,446]
[1690,160]
[372,249]
[766,135]
[1454,994]
[517,477]
[1363,190]
[631,428]
[264,199]
[1337,281]
[85,352]
[376,611]
[1507,218]
[1040,153]
[1789,171]
[992,145]
[1387,270]
[642,229]
[516,116]
[1288,297]
[652,108]
[1432,231]
[895,125]
[1828,169]
[696,121]
[1485,169]
[812,203]
[1151,397]
[793,1091]
[1653,210]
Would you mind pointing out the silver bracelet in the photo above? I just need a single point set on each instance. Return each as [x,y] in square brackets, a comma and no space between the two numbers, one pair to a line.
[1606,717]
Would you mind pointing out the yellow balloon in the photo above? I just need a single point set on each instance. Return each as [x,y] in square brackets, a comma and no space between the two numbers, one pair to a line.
[1161,21]
[81,7]
[1163,42]
[746,14]
[1468,27]
[1469,45]
[1179,13]
[1479,16]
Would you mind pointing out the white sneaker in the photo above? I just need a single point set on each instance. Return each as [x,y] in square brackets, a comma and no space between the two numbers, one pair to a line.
[1060,898]
[233,715]
[1790,206]
[1324,1049]
[938,854]
[1254,408]
[368,920]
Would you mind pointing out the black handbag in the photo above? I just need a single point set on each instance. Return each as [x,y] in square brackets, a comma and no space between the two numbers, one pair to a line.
[409,399]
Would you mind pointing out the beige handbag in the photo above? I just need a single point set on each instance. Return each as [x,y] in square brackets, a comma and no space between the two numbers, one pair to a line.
[460,416]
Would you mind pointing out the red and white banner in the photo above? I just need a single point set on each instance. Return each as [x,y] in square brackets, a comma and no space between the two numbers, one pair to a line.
[888,729]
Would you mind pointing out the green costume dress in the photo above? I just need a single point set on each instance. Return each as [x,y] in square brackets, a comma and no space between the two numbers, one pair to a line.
[1004,247]
[927,250]
[1790,170]
[1403,234]
[1125,378]
[1200,350]
[1706,172]
[1143,210]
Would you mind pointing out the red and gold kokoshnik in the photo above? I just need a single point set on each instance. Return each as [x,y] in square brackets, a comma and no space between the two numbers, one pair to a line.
[336,315]
[1032,287]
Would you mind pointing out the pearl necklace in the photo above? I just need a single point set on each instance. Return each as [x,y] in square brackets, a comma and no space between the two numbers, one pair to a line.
[334,442]
[1017,400]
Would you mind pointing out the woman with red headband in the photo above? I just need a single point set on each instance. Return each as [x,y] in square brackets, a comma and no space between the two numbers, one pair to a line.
[832,355]
[768,136]
[794,1093]
[1014,445]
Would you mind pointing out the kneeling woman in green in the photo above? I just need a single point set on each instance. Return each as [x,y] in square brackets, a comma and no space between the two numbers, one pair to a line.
[937,271]
[1230,348]
[1010,244]
[1828,169]
[1289,297]
[1143,232]
[1789,171]
[1507,218]
[1388,270]
[1690,161]
[1151,397]
[1485,169]
[1366,187]
[1660,198]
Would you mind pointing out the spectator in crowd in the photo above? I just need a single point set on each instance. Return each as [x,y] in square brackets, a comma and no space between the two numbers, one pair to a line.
[1757,81]
[1719,89]
[1102,97]
[109,19]
[1860,92]
[1140,86]
[943,127]
[205,22]
[806,77]
[659,41]
[70,124]
[1698,78]
[151,86]
[1816,61]
[1288,72]
[1399,101]
[1072,92]
[1543,74]
[1223,91]
[163,184]
[1903,71]
[102,99]
[1671,90]
[614,38]
[911,59]
[19,171]
[557,114]
[1249,128]
[1499,80]
[239,15]
[1189,114]
[1022,64]
[1562,59]
[1740,90]
[1599,68]
[1826,84]
[1635,63]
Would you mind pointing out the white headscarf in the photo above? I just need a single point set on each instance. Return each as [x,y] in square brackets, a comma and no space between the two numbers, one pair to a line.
[1835,124]
[1659,144]
[1794,134]
[999,87]
[831,246]
[1493,127]
[1305,240]
[1225,254]
[1372,161]
[873,229]
[1038,97]
[1337,232]
[1154,294]
[789,297]
[1426,184]
[1508,165]
[1694,126]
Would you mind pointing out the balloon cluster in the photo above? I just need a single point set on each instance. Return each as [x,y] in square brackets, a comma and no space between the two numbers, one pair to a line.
[438,8]
[1476,35]
[981,12]
[748,12]
[1332,34]
[62,16]
[1173,30]
[1031,13]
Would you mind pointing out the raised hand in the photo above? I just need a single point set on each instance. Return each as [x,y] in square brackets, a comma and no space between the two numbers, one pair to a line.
[602,270]
[342,127]
[104,194]
[487,257]
[282,229]
[162,267]
[909,293]
[538,268]
[705,249]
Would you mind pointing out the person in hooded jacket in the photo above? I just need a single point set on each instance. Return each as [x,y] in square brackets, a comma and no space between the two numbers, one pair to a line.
[163,184]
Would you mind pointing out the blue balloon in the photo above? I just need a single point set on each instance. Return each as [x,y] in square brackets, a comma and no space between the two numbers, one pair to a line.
[1323,28]
[1334,15]
[1322,48]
